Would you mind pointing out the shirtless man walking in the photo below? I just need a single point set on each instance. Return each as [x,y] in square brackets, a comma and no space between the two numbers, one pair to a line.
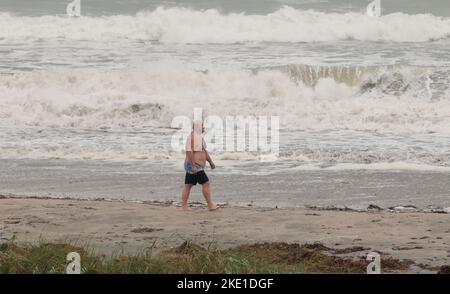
[194,165]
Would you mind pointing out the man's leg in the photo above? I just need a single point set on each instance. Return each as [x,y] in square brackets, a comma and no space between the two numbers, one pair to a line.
[207,194]
[185,196]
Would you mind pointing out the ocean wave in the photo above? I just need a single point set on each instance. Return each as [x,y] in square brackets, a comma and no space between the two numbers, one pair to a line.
[401,99]
[183,25]
[395,79]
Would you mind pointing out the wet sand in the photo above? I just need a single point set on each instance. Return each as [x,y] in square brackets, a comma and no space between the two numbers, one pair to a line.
[111,226]
[146,181]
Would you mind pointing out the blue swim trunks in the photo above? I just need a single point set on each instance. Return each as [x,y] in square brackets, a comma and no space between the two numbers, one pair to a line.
[188,167]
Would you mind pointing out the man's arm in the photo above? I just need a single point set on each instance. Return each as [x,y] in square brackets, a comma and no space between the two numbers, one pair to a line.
[209,159]
[190,153]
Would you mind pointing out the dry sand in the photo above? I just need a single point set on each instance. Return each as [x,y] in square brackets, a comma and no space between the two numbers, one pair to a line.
[112,226]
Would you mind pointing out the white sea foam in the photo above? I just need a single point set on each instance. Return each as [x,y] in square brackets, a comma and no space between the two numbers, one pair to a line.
[182,25]
[331,117]
[386,166]
[400,101]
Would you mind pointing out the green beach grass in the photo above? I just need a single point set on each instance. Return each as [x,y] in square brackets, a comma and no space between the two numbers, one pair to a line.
[188,258]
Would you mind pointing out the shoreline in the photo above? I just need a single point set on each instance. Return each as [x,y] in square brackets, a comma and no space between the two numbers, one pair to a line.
[198,204]
[111,226]
[152,182]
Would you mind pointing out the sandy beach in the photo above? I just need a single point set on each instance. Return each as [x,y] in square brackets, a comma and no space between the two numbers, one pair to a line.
[113,226]
[323,128]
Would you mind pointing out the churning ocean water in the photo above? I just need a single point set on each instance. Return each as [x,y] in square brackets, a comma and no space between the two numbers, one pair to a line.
[351,91]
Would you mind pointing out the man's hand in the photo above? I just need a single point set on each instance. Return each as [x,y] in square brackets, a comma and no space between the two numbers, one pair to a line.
[213,166]
[193,169]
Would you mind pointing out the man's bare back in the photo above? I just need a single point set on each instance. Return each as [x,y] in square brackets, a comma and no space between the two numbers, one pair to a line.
[199,150]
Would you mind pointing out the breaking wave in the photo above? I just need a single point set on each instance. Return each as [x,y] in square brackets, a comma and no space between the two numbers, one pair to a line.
[182,25]
[396,98]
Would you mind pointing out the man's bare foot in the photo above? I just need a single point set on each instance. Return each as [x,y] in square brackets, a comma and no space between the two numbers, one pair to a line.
[213,207]
[185,208]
